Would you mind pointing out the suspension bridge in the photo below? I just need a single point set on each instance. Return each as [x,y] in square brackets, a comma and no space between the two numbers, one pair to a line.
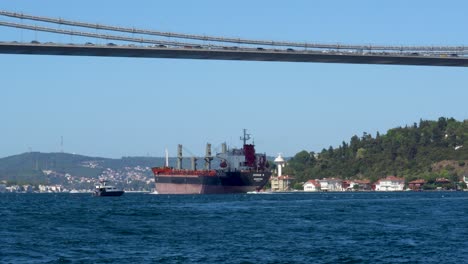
[145,43]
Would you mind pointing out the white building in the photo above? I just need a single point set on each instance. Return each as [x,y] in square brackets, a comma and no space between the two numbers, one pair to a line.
[360,185]
[331,185]
[13,188]
[280,164]
[280,183]
[51,188]
[311,186]
[389,184]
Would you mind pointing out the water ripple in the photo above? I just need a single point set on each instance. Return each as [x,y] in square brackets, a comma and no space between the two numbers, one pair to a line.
[280,228]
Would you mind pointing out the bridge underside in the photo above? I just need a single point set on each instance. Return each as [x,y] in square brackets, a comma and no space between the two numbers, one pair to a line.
[217,54]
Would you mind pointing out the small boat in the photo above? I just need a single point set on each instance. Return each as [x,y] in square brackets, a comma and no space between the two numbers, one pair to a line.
[107,190]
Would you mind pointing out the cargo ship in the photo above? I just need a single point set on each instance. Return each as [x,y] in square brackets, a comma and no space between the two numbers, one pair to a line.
[241,170]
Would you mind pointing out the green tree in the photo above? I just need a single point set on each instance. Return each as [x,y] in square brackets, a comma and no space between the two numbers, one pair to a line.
[408,151]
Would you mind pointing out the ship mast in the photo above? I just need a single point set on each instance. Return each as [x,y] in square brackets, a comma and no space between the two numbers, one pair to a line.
[167,158]
[208,157]
[179,157]
[245,137]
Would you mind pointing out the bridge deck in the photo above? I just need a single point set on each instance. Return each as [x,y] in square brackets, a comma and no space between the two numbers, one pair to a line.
[219,54]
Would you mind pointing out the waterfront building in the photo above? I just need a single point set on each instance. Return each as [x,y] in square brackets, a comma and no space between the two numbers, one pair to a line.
[442,181]
[331,185]
[13,188]
[311,186]
[281,183]
[416,185]
[357,185]
[51,188]
[390,183]
[443,184]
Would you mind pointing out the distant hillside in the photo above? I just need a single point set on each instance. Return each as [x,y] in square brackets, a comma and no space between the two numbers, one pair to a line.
[29,167]
[41,168]
[426,150]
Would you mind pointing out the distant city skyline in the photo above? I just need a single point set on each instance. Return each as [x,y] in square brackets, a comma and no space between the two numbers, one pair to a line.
[114,107]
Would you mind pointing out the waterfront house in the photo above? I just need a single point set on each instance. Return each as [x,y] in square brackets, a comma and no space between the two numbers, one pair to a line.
[416,185]
[281,183]
[390,183]
[359,185]
[331,185]
[311,186]
[443,183]
[51,188]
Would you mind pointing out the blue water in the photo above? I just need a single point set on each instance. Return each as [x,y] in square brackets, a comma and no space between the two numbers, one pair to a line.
[422,227]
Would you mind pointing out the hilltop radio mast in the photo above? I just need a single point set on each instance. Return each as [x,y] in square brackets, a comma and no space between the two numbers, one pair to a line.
[61,144]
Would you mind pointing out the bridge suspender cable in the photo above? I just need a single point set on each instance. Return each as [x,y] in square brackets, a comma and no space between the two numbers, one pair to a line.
[159,33]
[238,40]
[100,36]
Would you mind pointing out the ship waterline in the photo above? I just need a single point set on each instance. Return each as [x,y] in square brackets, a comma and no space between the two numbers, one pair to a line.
[235,182]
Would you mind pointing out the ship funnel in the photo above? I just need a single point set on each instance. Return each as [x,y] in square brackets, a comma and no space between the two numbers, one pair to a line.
[179,157]
[208,157]
[223,148]
[194,163]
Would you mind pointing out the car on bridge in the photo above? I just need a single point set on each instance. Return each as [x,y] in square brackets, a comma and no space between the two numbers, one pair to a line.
[230,48]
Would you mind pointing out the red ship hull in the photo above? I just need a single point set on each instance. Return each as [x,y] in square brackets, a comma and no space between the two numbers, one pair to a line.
[169,188]
[208,182]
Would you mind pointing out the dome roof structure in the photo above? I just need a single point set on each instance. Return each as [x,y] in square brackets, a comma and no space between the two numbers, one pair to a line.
[279,159]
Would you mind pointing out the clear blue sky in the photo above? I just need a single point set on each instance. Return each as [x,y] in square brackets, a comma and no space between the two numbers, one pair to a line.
[115,107]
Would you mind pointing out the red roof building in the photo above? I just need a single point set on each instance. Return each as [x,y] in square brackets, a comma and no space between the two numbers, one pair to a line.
[416,185]
[361,185]
[311,186]
[442,181]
